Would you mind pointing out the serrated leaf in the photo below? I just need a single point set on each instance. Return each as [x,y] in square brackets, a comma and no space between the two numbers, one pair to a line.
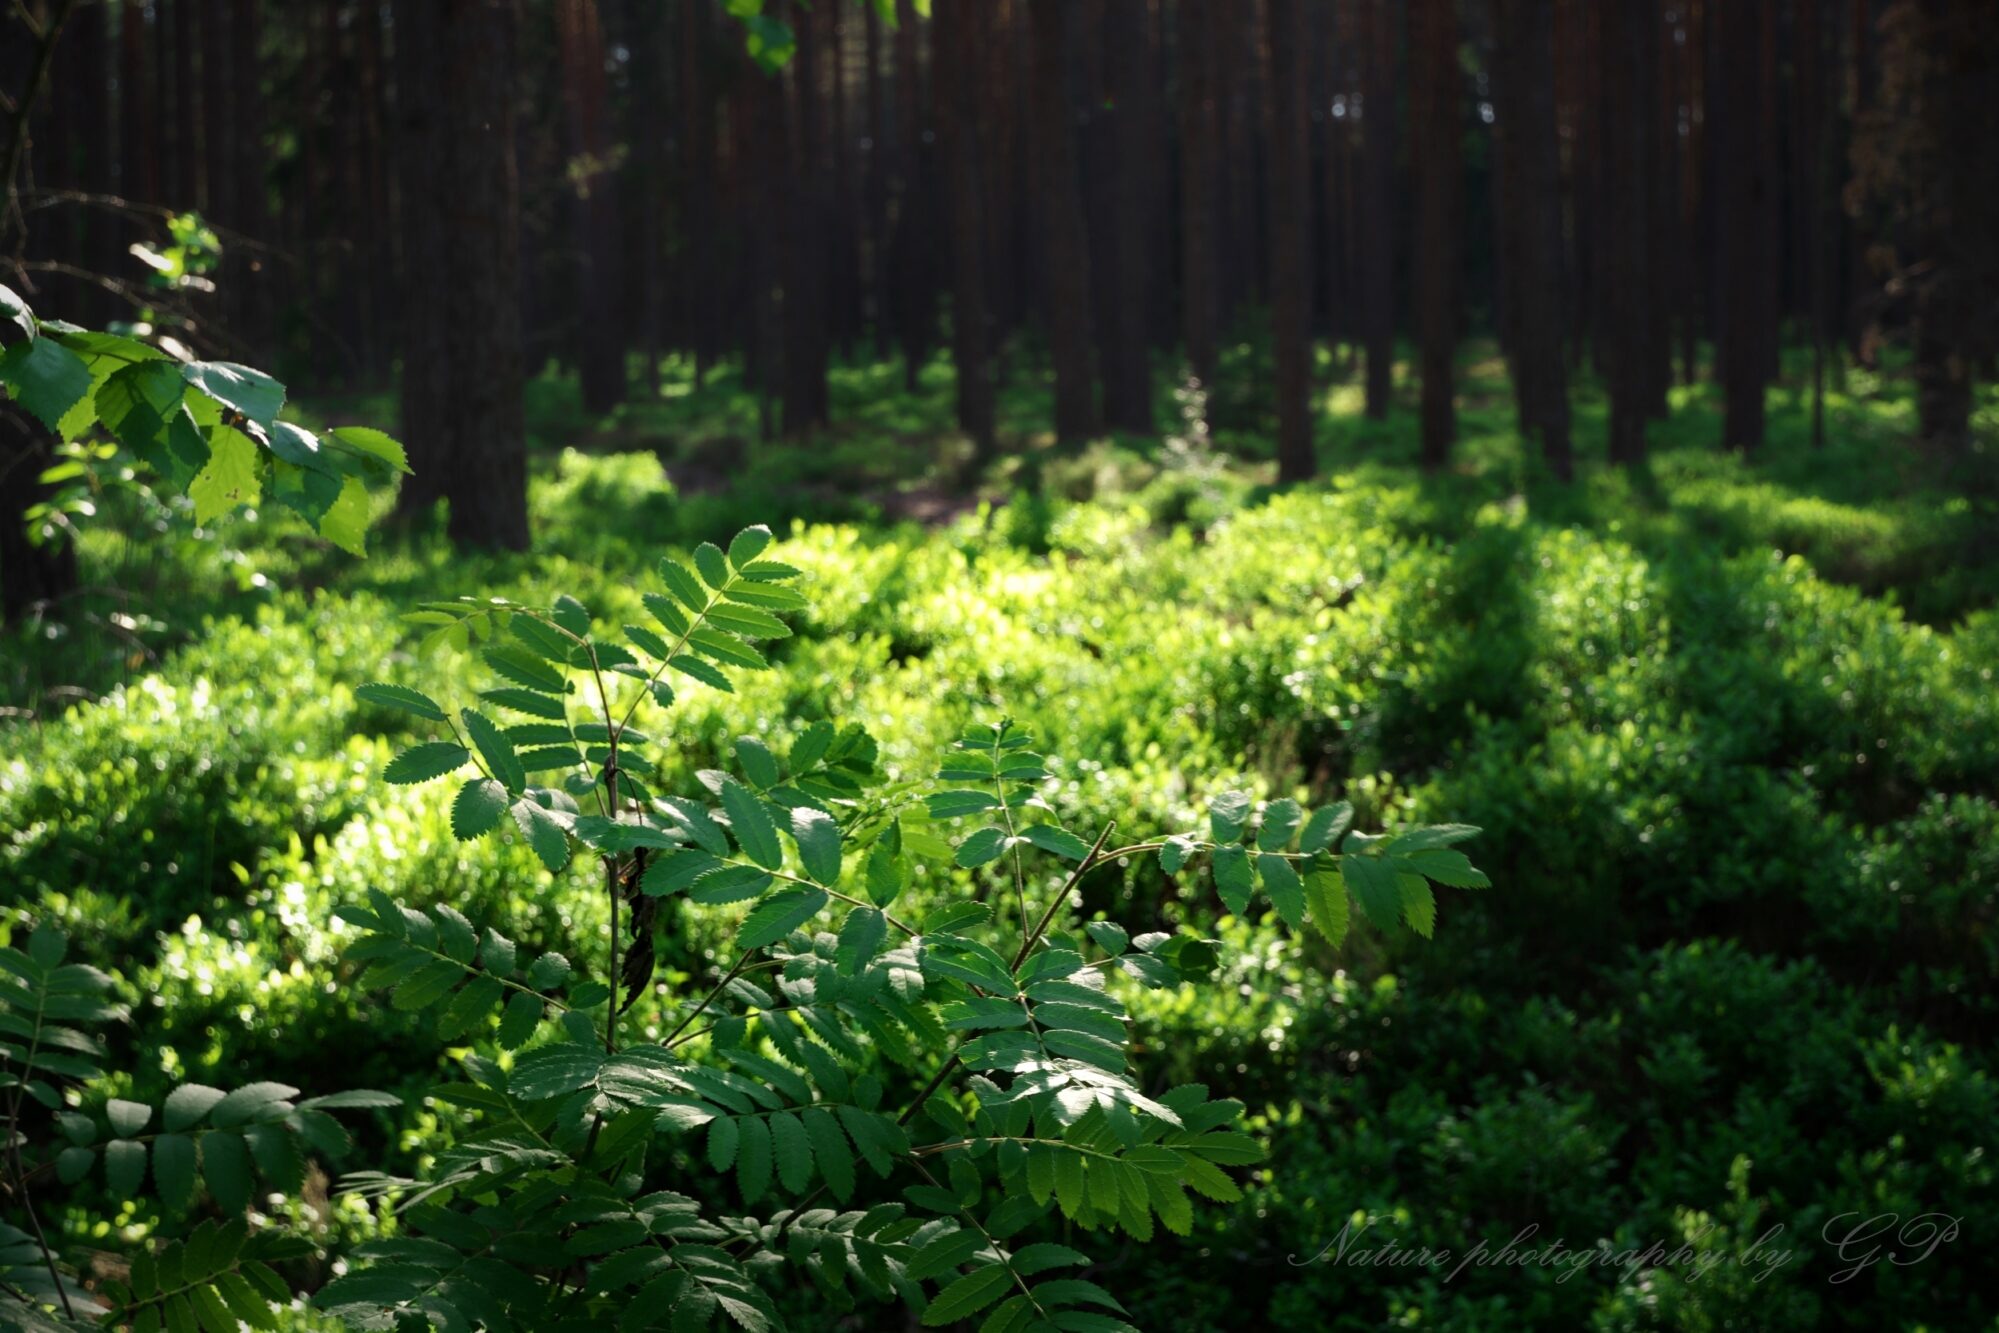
[1326,826]
[250,392]
[519,1021]
[1371,880]
[780,914]
[861,936]
[1419,904]
[1233,880]
[225,1165]
[750,821]
[1227,814]
[748,544]
[1326,893]
[714,566]
[187,1104]
[127,1118]
[818,839]
[477,808]
[173,1169]
[968,1295]
[544,832]
[421,763]
[1281,882]
[1059,841]
[1280,820]
[230,476]
[402,699]
[753,1159]
[983,846]
[498,752]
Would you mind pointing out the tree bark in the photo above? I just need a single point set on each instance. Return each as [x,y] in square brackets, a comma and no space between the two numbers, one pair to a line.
[1530,157]
[1200,270]
[960,28]
[1065,244]
[1377,203]
[459,220]
[1435,149]
[1125,344]
[592,204]
[1290,180]
[1744,272]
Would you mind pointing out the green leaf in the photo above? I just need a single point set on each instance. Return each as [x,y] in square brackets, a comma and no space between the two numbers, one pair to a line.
[345,521]
[982,846]
[714,566]
[402,699]
[818,839]
[1327,894]
[1232,877]
[723,1140]
[694,668]
[1372,881]
[758,763]
[1059,841]
[250,392]
[544,832]
[1280,820]
[1419,904]
[173,1169]
[748,544]
[531,702]
[1110,936]
[683,585]
[127,1118]
[751,823]
[553,1070]
[829,1147]
[363,451]
[951,804]
[968,1295]
[524,668]
[225,1165]
[753,1159]
[861,936]
[519,1021]
[73,1164]
[748,621]
[187,1104]
[496,750]
[1227,814]
[1446,866]
[791,1150]
[1287,893]
[887,873]
[421,763]
[47,378]
[477,808]
[780,914]
[230,476]
[1325,827]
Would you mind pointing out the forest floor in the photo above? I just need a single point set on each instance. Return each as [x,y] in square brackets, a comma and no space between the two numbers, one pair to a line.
[1730,726]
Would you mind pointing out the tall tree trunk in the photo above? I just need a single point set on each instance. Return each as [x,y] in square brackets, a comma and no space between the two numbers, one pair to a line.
[254,272]
[1127,363]
[1435,149]
[459,218]
[593,205]
[1290,223]
[960,26]
[1377,203]
[1630,44]
[1065,244]
[913,244]
[1743,204]
[1530,156]
[1200,269]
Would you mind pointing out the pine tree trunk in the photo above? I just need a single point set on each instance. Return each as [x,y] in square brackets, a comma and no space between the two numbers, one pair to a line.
[1435,149]
[1200,270]
[1629,29]
[1290,180]
[459,221]
[593,206]
[960,29]
[1530,156]
[1742,204]
[1377,204]
[1065,245]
